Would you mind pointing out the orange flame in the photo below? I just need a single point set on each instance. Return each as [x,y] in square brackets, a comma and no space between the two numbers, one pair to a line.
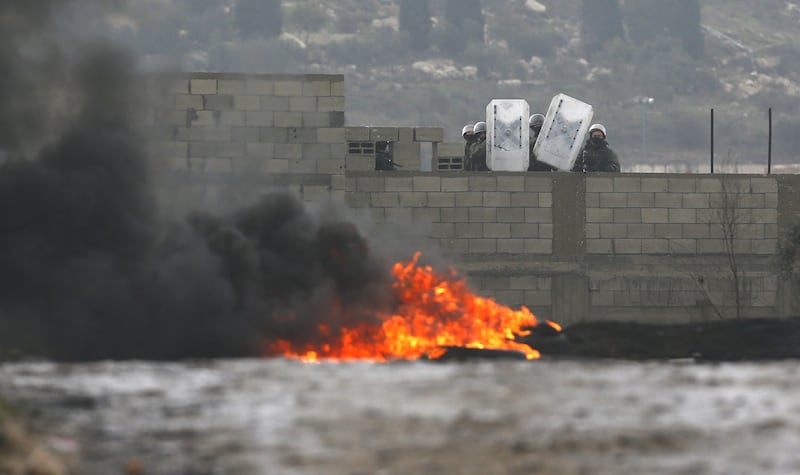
[435,311]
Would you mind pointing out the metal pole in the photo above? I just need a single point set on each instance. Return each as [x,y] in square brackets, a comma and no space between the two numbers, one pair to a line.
[712,140]
[644,129]
[769,149]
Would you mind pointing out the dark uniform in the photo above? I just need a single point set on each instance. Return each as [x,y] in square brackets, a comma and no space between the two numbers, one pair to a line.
[596,156]
[477,155]
[535,165]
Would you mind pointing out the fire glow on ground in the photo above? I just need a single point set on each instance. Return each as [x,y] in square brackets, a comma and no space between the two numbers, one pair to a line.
[435,310]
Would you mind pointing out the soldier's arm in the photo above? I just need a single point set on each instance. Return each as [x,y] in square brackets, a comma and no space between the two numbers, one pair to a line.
[613,162]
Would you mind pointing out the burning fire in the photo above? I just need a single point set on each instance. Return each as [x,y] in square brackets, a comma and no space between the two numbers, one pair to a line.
[435,311]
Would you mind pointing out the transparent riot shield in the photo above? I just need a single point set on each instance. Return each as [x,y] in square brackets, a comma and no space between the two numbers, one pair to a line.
[507,135]
[563,132]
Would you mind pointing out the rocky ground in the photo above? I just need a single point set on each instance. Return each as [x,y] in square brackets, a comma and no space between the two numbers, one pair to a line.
[606,398]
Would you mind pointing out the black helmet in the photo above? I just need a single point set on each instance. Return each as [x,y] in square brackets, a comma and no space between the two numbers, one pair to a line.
[536,120]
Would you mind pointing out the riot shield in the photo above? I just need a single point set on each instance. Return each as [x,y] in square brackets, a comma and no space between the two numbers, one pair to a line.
[563,132]
[507,135]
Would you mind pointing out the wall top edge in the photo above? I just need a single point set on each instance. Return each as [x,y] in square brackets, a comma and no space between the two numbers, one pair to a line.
[558,174]
[274,77]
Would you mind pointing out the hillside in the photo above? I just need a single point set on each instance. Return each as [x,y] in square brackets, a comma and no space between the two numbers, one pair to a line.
[532,50]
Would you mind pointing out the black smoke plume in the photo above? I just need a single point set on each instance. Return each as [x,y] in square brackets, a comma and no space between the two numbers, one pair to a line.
[88,269]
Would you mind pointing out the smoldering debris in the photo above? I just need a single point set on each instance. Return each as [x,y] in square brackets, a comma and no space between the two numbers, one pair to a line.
[88,270]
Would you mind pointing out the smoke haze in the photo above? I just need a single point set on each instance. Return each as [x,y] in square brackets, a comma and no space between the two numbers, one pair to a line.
[87,268]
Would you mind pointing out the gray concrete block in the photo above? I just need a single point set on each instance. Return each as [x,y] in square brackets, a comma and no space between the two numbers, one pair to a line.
[383,200]
[483,215]
[613,230]
[261,150]
[455,184]
[510,215]
[682,184]
[682,216]
[599,246]
[655,246]
[276,166]
[641,200]
[441,200]
[613,200]
[599,184]
[337,88]
[316,88]
[331,104]
[356,134]
[414,199]
[481,182]
[273,134]
[288,88]
[330,135]
[303,104]
[443,230]
[398,215]
[469,230]
[218,102]
[232,118]
[627,184]
[455,215]
[538,246]
[231,86]
[273,103]
[426,215]
[469,199]
[511,246]
[406,135]
[655,185]
[245,134]
[287,119]
[627,215]
[246,103]
[259,118]
[497,230]
[541,184]
[668,200]
[483,246]
[359,164]
[188,101]
[496,199]
[302,165]
[427,183]
[304,136]
[524,231]
[524,200]
[203,86]
[538,215]
[290,151]
[642,231]
[428,134]
[383,134]
[259,87]
[317,151]
[511,183]
[371,183]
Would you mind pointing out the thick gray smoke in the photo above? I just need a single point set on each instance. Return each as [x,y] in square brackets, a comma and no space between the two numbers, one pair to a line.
[87,270]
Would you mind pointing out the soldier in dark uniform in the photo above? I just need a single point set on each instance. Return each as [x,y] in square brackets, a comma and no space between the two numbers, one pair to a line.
[469,139]
[535,122]
[596,156]
[477,153]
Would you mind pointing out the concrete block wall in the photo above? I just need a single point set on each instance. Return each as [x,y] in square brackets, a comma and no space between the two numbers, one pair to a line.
[406,145]
[232,136]
[579,247]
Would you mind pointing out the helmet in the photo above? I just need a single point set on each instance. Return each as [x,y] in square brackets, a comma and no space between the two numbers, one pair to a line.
[479,127]
[466,130]
[600,127]
[536,120]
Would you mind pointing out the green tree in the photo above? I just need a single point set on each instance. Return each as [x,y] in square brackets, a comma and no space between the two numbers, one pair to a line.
[415,19]
[259,18]
[601,21]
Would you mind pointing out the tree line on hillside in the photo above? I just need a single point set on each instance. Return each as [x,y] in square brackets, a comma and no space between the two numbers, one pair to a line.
[463,23]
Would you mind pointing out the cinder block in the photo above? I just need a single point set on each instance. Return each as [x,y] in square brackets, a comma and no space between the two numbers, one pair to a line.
[290,151]
[331,166]
[426,215]
[510,246]
[229,149]
[763,185]
[231,86]
[204,134]
[273,134]
[288,119]
[383,200]
[695,200]
[317,119]
[303,104]
[469,199]
[483,215]
[452,149]
[405,134]
[510,215]
[483,182]
[303,135]
[641,200]
[428,134]
[260,87]
[539,215]
[627,215]
[525,200]
[427,183]
[682,184]
[205,118]
[273,103]
[246,103]
[599,184]
[483,246]
[511,183]
[613,230]
[218,102]
[670,231]
[545,200]
[655,215]
[177,86]
[455,215]
[371,183]
[683,246]
[219,165]
[381,134]
[203,86]
[599,215]
[669,200]
[331,104]
[682,216]
[188,101]
[317,88]
[655,246]
[232,118]
[599,246]
[245,134]
[356,134]
[524,231]
[260,150]
[302,165]
[399,183]
[317,151]
[330,135]
[538,246]
[414,199]
[276,166]
[354,163]
[654,185]
[288,88]
[441,200]
[627,184]
[496,199]
[539,184]
[398,215]
[455,184]
[259,118]
[641,231]
[337,88]
[613,200]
